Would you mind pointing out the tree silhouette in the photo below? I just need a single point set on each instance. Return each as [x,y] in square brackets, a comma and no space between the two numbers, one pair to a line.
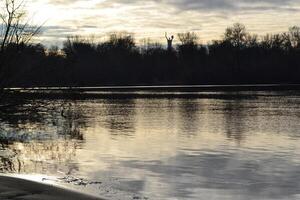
[236,35]
[16,32]
[238,58]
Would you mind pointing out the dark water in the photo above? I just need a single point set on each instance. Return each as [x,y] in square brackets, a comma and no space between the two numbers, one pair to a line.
[212,145]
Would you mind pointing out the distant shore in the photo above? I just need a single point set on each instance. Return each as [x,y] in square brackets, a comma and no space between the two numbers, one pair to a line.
[160,91]
[159,87]
[14,188]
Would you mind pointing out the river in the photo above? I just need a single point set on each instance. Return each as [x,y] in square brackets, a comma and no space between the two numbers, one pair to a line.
[159,144]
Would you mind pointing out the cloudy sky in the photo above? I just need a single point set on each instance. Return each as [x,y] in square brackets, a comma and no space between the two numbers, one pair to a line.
[151,18]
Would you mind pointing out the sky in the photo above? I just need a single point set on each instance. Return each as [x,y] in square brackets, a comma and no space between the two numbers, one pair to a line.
[152,18]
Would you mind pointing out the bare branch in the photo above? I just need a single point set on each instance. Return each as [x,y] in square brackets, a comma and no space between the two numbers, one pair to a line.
[16,28]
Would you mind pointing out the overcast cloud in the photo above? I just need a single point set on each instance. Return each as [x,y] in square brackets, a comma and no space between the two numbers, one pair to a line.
[152,18]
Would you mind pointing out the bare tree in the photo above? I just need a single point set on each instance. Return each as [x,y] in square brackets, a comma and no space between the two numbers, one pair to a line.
[251,40]
[16,31]
[189,38]
[294,35]
[236,35]
[274,41]
[16,27]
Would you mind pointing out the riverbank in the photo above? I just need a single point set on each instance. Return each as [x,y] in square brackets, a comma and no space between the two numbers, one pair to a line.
[15,189]
[121,92]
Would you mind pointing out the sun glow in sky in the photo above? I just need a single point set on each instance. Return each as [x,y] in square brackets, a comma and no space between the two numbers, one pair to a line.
[152,18]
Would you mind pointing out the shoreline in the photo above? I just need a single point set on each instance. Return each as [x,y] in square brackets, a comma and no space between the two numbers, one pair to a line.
[199,87]
[14,188]
[119,92]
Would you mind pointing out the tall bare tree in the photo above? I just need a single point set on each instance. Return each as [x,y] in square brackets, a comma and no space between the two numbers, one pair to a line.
[16,30]
[236,35]
[16,27]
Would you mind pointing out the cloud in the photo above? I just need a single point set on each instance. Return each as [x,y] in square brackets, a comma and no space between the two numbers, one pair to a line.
[208,5]
[154,17]
[62,2]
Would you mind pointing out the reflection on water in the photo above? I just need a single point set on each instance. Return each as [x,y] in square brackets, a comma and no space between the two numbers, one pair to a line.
[239,145]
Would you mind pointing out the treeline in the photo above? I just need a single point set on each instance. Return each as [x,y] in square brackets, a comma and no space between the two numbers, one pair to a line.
[238,58]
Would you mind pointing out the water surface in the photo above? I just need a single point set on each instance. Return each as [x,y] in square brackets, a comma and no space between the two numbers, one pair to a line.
[160,145]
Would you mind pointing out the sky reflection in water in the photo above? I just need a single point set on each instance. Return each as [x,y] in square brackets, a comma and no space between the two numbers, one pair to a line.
[233,145]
